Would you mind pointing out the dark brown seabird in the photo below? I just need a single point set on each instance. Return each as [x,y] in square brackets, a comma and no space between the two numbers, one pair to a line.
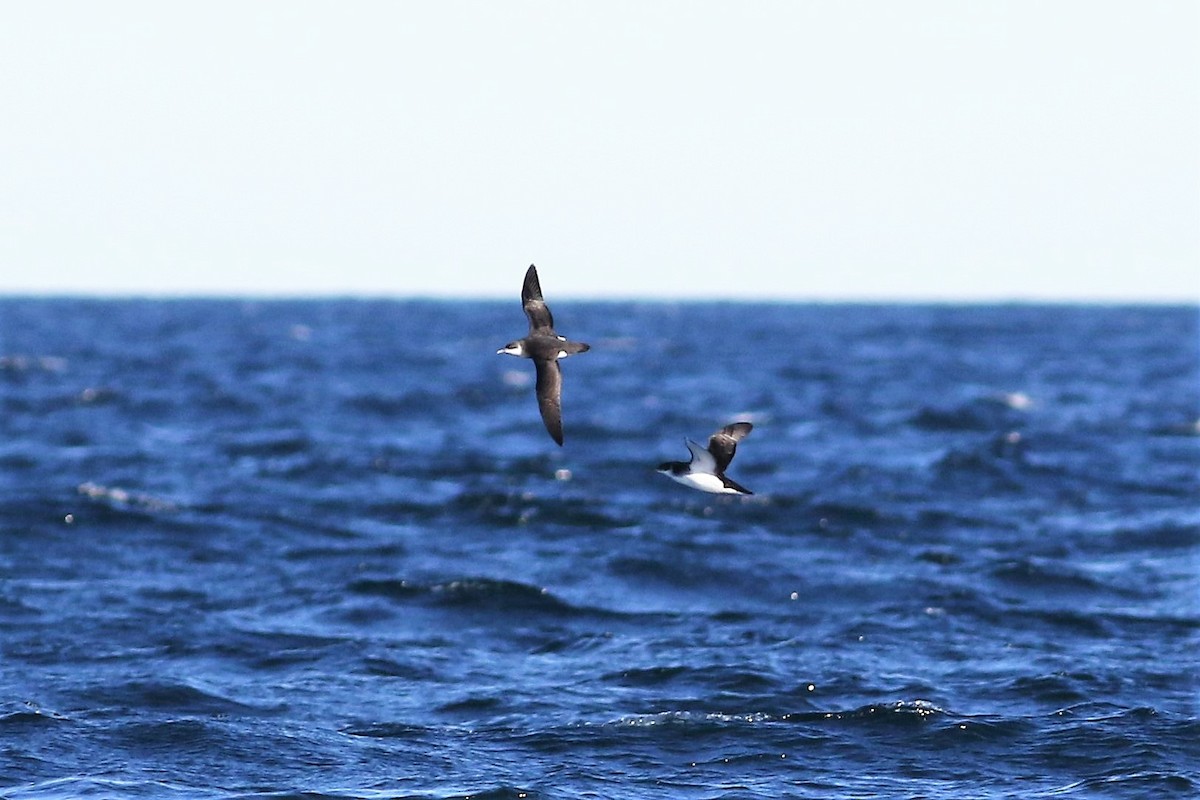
[545,348]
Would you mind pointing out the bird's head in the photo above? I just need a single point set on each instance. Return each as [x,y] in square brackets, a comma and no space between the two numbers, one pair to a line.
[512,349]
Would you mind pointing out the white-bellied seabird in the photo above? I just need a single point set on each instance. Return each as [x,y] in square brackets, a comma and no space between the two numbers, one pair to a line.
[545,347]
[706,470]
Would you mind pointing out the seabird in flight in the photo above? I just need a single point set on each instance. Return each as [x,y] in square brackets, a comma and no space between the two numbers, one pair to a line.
[706,469]
[545,347]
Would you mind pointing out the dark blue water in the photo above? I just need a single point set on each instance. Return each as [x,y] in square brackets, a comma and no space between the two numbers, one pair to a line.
[327,549]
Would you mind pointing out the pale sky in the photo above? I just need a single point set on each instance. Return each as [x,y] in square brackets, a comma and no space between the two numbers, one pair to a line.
[1041,150]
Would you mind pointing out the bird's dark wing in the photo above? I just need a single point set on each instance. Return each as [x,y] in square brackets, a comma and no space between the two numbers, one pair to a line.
[723,443]
[540,319]
[549,396]
[737,487]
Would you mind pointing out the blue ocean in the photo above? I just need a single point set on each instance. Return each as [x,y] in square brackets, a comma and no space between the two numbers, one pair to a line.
[326,549]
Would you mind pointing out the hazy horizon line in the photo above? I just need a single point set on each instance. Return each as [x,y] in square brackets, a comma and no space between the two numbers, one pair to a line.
[698,299]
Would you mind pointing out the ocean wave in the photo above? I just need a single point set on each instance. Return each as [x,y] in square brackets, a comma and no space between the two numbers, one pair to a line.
[1000,412]
[265,650]
[714,678]
[486,595]
[1055,689]
[118,498]
[1125,727]
[523,506]
[174,696]
[901,712]
[74,787]
[1171,531]
[267,444]
[1140,783]
[1048,577]
[28,714]
[895,712]
[390,730]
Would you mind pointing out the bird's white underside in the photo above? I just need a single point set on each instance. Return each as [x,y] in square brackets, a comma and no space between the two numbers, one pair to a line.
[704,481]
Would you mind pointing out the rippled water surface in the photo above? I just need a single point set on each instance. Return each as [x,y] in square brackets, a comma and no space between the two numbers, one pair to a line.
[327,549]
